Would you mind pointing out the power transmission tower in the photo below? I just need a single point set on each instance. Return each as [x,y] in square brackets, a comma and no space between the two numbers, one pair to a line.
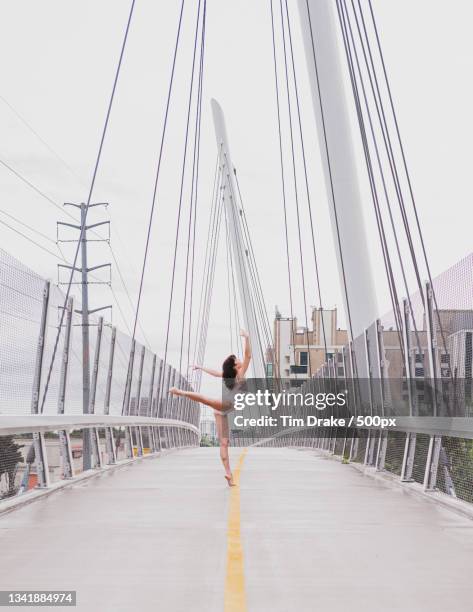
[85,311]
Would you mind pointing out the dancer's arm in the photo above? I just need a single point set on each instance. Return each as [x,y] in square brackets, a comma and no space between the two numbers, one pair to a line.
[247,355]
[208,371]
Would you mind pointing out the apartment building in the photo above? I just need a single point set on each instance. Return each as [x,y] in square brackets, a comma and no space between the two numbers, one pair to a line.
[298,352]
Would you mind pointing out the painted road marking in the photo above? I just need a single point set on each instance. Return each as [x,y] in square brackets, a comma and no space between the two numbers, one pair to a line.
[235,596]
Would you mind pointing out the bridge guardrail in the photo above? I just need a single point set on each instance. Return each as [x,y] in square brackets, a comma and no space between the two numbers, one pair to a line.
[43,428]
[422,354]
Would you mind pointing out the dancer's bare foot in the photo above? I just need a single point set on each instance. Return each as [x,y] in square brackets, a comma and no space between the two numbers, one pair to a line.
[174,391]
[229,479]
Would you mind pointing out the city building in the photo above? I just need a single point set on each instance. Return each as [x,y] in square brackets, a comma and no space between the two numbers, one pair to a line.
[208,427]
[298,352]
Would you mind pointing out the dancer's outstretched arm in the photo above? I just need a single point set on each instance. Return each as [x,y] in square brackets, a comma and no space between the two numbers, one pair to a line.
[208,371]
[247,355]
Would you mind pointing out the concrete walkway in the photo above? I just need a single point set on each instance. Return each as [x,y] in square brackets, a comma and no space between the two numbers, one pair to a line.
[316,535]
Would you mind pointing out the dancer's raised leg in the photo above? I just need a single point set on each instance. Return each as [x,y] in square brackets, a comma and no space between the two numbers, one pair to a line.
[201,399]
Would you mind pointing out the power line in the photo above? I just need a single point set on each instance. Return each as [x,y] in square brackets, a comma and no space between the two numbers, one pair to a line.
[37,190]
[41,139]
[32,241]
[59,207]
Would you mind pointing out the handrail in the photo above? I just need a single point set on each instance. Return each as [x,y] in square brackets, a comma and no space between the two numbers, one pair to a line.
[16,424]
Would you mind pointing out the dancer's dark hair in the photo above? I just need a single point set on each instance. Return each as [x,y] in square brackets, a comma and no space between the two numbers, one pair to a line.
[229,371]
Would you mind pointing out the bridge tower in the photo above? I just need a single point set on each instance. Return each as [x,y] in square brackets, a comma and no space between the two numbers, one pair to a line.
[318,27]
[240,254]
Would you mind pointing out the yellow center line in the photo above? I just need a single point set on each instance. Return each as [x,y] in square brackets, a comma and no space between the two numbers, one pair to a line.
[235,596]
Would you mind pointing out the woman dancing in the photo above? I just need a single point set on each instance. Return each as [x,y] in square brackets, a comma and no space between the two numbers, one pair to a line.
[233,374]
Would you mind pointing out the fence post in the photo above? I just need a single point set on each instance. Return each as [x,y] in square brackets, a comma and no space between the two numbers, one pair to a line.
[139,439]
[432,344]
[95,370]
[383,436]
[126,400]
[408,458]
[110,446]
[65,357]
[149,411]
[350,362]
[64,438]
[41,458]
[370,442]
[157,411]
[40,350]
[347,432]
[164,403]
[170,398]
[431,467]
[93,392]
[410,444]
[406,339]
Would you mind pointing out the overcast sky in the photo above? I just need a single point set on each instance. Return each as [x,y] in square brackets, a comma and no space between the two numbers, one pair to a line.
[58,64]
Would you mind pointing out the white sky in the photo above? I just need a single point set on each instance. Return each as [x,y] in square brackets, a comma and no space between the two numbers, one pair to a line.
[58,64]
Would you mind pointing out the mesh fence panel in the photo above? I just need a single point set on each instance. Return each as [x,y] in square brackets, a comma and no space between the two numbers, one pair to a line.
[53,451]
[102,372]
[339,444]
[144,408]
[455,468]
[103,446]
[420,457]
[119,441]
[12,463]
[22,299]
[21,303]
[395,445]
[360,447]
[74,377]
[120,369]
[56,302]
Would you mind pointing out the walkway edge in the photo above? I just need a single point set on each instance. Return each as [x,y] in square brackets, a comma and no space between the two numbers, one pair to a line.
[412,488]
[15,503]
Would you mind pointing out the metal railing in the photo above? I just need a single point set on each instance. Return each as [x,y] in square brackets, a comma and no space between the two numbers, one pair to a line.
[44,433]
[416,365]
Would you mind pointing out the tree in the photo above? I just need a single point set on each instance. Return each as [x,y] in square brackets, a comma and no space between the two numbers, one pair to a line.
[10,459]
[207,441]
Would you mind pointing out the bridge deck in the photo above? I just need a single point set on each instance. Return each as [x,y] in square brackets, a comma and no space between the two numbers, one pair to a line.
[316,535]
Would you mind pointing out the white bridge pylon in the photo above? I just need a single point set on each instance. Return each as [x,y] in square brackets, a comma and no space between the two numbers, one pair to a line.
[318,26]
[238,248]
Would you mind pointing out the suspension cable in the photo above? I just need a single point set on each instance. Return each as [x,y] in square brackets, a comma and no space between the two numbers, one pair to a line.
[158,168]
[181,192]
[194,176]
[283,182]
[89,197]
[406,169]
[301,135]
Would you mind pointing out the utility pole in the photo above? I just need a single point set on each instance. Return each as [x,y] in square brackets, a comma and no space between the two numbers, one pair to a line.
[85,311]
